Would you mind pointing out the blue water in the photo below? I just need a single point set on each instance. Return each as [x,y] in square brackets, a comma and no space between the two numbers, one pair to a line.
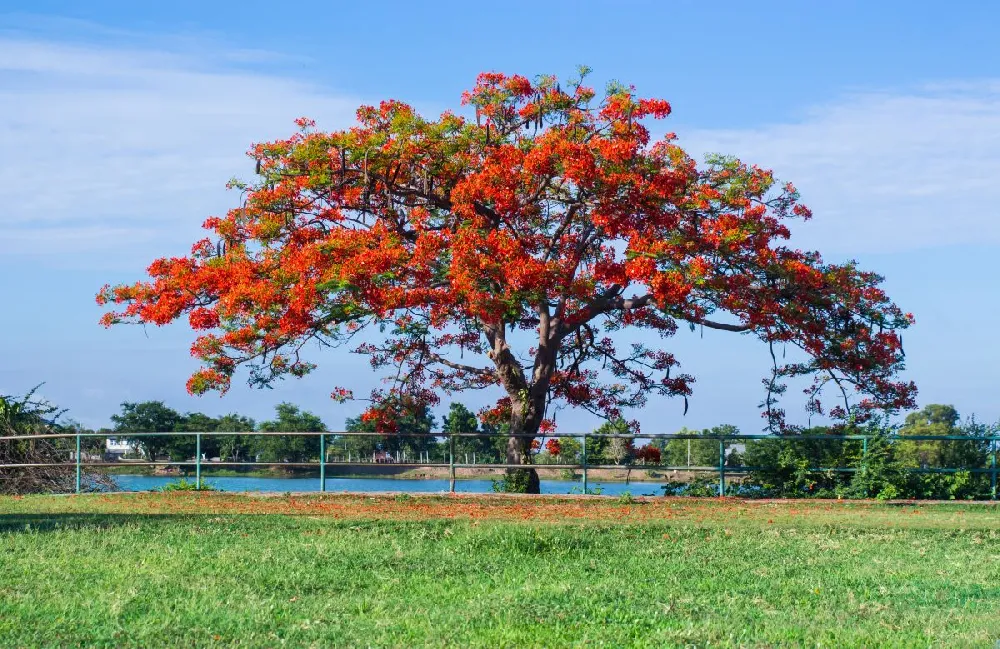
[282,485]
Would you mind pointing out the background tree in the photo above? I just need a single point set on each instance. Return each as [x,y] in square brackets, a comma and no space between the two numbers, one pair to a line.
[569,450]
[183,447]
[703,452]
[937,419]
[147,417]
[291,448]
[409,417]
[235,448]
[787,465]
[597,447]
[518,251]
[620,450]
[648,454]
[462,420]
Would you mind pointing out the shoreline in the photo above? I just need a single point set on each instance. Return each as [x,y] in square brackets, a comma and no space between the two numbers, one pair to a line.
[389,472]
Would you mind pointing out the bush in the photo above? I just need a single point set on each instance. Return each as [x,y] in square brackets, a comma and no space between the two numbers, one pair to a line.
[892,467]
[702,486]
[512,482]
[784,466]
[627,499]
[185,485]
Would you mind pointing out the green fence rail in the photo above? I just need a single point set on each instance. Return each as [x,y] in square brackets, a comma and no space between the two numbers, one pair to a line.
[322,463]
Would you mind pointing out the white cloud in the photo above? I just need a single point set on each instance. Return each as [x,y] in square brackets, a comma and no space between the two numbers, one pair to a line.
[102,147]
[885,171]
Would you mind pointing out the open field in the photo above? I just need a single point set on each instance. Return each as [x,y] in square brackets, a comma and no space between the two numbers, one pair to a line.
[210,570]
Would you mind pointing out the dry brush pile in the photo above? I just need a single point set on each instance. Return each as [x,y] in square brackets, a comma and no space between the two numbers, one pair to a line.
[43,464]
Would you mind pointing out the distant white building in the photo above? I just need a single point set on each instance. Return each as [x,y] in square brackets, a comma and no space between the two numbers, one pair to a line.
[117,448]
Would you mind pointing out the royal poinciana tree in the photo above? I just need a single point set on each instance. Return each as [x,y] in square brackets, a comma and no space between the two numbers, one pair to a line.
[517,248]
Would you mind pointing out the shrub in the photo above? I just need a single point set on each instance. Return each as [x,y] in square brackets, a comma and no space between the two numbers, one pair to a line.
[186,485]
[892,466]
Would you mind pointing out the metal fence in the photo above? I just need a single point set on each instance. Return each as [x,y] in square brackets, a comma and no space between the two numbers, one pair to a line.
[722,469]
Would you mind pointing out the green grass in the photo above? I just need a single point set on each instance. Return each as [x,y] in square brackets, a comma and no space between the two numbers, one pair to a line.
[82,571]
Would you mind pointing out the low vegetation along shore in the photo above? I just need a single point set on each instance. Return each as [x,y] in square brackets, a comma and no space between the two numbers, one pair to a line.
[209,570]
[390,472]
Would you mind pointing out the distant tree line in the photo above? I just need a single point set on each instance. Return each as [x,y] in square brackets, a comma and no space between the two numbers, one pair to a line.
[888,466]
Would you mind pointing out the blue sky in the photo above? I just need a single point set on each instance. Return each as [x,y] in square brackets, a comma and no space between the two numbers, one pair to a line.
[121,122]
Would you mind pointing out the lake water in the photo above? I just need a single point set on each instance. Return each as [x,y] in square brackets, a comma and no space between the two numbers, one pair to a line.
[281,485]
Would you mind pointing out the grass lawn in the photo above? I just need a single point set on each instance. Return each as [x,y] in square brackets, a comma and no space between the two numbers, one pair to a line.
[188,569]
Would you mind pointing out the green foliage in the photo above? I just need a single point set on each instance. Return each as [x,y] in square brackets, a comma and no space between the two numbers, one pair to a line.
[183,448]
[890,469]
[186,485]
[420,421]
[879,475]
[462,420]
[26,415]
[701,486]
[148,417]
[786,466]
[568,474]
[626,499]
[29,416]
[513,481]
[928,454]
[235,448]
[703,452]
[154,416]
[597,447]
[570,450]
[292,448]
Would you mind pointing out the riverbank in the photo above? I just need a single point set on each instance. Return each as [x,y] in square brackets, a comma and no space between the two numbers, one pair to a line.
[391,472]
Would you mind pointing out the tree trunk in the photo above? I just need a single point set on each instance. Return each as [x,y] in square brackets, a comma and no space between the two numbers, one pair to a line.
[520,480]
[527,405]
[525,418]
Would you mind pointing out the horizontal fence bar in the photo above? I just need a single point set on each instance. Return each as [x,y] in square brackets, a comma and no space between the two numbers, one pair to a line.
[459,465]
[731,438]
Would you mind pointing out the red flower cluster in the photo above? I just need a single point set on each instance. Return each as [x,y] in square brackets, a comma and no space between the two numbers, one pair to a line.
[648,454]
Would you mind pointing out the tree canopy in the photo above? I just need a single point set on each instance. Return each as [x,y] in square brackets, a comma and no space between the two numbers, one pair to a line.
[516,249]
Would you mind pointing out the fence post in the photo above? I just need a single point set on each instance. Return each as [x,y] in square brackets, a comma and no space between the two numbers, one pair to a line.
[322,462]
[451,463]
[722,467]
[78,462]
[197,461]
[583,446]
[993,473]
